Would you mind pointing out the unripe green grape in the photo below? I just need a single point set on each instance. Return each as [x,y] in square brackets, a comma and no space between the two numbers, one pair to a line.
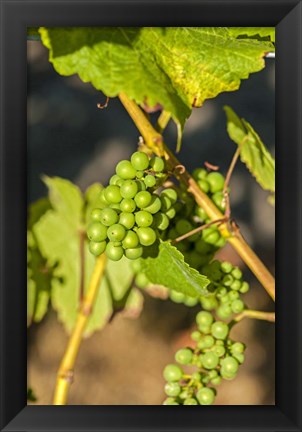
[237,306]
[224,299]
[161,221]
[130,241]
[141,187]
[204,185]
[129,189]
[143,218]
[229,366]
[204,318]
[114,253]
[114,179]
[209,360]
[172,389]
[208,341]
[184,356]
[239,357]
[199,174]
[196,335]
[183,226]
[236,273]
[205,329]
[157,164]
[216,181]
[205,396]
[116,232]
[140,174]
[97,248]
[191,301]
[219,330]
[237,348]
[154,206]
[224,311]
[210,235]
[139,161]
[102,197]
[125,170]
[171,194]
[97,232]
[115,207]
[109,216]
[233,295]
[202,247]
[143,199]
[127,205]
[209,303]
[219,350]
[221,291]
[171,213]
[150,181]
[205,379]
[196,376]
[141,279]
[113,194]
[165,203]
[244,287]
[219,200]
[212,373]
[127,220]
[190,401]
[226,267]
[200,213]
[134,253]
[182,246]
[193,259]
[176,296]
[216,380]
[172,234]
[170,401]
[146,236]
[186,393]
[221,242]
[96,215]
[172,373]
[227,280]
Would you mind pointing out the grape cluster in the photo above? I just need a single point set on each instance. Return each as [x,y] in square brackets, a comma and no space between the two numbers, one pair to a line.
[215,357]
[134,212]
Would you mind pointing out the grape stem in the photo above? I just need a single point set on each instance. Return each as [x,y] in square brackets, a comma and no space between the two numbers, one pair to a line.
[248,313]
[154,141]
[65,372]
[198,229]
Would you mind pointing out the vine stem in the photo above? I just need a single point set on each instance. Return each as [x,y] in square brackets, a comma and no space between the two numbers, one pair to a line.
[248,313]
[65,372]
[154,140]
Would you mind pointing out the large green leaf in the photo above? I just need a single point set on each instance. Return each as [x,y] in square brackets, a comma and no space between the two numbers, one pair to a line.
[169,269]
[60,233]
[252,150]
[254,32]
[177,67]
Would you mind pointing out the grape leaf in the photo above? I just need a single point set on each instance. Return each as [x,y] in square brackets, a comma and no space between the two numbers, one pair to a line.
[253,152]
[176,67]
[60,233]
[258,32]
[169,269]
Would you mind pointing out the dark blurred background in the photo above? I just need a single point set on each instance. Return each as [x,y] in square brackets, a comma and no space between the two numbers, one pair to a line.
[69,136]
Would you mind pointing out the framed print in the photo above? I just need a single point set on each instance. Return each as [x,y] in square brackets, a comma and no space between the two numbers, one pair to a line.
[147,181]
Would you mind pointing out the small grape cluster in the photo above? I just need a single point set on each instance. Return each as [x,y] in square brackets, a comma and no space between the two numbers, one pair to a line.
[134,213]
[214,358]
[225,288]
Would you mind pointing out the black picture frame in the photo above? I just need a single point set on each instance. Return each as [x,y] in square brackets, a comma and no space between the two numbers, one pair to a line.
[16,16]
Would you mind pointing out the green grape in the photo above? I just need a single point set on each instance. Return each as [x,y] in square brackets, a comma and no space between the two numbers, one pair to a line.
[191,301]
[236,285]
[224,311]
[172,373]
[97,232]
[96,215]
[114,179]
[219,350]
[172,389]
[239,357]
[208,341]
[129,189]
[216,181]
[204,185]
[190,401]
[134,253]
[183,246]
[226,267]
[195,335]
[130,241]
[141,185]
[139,161]
[141,279]
[244,287]
[177,297]
[102,198]
[209,303]
[143,218]
[127,220]
[97,248]
[150,181]
[186,393]
[212,373]
[143,199]
[109,216]
[209,360]
[196,376]
[113,194]
[172,234]
[116,207]
[171,213]
[146,236]
[184,356]
[202,247]
[204,318]
[220,243]
[165,203]
[237,348]
[200,213]
[237,306]
[199,174]
[157,164]
[116,232]
[154,206]
[183,226]
[237,273]
[211,235]
[170,401]
[161,221]
[229,367]
[205,329]
[125,170]
[219,200]
[205,396]
[227,280]
[171,194]
[128,205]
[113,252]
[219,330]
[216,380]
[233,295]
[193,259]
